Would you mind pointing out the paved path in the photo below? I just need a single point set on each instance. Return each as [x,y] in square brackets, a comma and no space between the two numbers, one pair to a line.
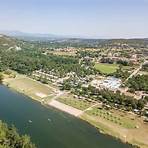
[89,108]
[61,93]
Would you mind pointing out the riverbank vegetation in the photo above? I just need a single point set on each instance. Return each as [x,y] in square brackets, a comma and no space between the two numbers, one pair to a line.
[9,138]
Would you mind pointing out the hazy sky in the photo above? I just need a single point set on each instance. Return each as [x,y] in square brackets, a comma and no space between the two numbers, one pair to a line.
[90,18]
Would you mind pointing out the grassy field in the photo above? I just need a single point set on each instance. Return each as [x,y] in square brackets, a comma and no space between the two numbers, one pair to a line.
[125,126]
[74,102]
[106,68]
[101,126]
[112,117]
[29,87]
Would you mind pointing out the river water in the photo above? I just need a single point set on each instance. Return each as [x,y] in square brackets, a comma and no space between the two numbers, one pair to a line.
[48,127]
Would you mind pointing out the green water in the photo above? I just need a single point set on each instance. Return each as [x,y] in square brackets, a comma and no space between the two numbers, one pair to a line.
[50,128]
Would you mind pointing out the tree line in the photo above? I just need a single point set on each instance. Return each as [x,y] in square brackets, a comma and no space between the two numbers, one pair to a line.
[27,61]
[9,138]
[108,97]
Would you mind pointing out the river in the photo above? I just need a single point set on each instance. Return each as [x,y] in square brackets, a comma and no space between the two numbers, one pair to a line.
[48,127]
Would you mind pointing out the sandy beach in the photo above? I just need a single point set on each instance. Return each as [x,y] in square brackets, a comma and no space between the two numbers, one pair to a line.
[65,108]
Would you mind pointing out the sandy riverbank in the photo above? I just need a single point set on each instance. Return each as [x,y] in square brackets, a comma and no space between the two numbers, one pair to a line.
[65,108]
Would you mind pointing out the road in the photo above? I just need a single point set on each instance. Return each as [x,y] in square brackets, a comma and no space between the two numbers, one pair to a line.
[136,71]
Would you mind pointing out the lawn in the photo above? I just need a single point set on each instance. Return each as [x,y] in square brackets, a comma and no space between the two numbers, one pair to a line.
[132,130]
[30,87]
[74,102]
[112,117]
[106,68]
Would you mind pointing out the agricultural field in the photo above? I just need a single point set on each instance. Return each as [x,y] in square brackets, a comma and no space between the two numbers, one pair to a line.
[106,68]
[74,102]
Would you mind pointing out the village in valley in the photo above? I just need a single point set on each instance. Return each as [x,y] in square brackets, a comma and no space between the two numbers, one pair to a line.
[114,67]
[102,82]
[73,74]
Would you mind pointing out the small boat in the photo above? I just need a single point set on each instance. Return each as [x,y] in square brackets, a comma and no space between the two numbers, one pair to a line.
[49,119]
[30,121]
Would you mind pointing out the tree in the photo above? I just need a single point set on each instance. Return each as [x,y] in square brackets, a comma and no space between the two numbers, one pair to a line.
[9,138]
[131,90]
[140,104]
[1,78]
[138,83]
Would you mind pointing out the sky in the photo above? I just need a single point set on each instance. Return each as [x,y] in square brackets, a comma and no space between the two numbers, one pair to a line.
[85,18]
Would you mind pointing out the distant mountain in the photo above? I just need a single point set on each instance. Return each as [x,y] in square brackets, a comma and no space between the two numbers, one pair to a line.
[30,36]
[135,43]
[40,36]
[50,40]
[19,33]
[9,43]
